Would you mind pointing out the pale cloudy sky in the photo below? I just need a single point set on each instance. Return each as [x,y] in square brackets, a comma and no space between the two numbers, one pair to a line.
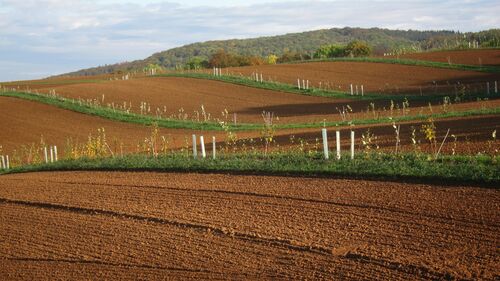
[39,38]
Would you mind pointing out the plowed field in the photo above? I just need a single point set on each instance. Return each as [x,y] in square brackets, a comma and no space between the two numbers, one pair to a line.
[470,57]
[189,226]
[25,122]
[376,77]
[170,94]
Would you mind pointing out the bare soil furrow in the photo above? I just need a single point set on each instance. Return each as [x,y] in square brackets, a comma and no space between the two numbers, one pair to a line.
[274,227]
[203,228]
[310,204]
[412,269]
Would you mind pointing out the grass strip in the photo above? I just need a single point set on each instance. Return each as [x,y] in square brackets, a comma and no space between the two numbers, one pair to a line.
[121,116]
[480,169]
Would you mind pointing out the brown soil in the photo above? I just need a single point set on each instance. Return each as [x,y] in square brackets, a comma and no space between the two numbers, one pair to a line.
[170,94]
[376,77]
[470,57]
[188,226]
[25,122]
[166,96]
[49,83]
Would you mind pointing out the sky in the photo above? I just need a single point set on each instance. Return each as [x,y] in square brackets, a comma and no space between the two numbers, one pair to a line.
[40,38]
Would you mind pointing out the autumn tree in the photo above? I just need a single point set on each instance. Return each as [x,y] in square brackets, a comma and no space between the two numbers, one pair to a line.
[358,49]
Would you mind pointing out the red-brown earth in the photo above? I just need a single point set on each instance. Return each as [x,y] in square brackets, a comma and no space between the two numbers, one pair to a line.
[470,57]
[111,225]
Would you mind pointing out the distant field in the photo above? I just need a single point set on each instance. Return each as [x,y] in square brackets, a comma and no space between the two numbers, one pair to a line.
[183,97]
[179,97]
[170,95]
[470,57]
[376,77]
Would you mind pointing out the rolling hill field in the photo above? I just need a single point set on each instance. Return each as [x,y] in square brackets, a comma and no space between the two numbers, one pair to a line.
[411,195]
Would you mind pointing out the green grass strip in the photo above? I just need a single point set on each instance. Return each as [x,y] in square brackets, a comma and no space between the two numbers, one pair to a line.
[459,169]
[121,116]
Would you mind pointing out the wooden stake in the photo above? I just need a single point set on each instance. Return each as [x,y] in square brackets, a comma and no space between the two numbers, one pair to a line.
[352,92]
[55,153]
[8,162]
[46,156]
[298,83]
[3,166]
[437,154]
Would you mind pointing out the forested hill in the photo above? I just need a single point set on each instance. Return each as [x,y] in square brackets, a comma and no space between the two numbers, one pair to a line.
[382,40]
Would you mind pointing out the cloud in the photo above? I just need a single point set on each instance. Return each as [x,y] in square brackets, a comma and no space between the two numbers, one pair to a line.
[78,34]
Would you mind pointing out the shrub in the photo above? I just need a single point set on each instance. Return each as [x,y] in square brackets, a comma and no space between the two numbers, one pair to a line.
[197,63]
[223,59]
[289,56]
[271,59]
[358,49]
[330,51]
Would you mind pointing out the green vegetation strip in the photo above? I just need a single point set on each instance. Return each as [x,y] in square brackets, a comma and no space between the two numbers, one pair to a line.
[121,116]
[287,88]
[460,169]
[413,62]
